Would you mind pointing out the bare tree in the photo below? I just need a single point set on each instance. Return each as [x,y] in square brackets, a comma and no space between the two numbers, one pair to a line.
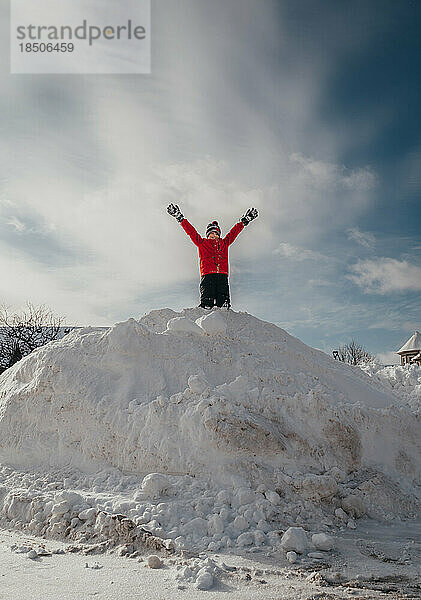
[22,332]
[352,353]
[6,354]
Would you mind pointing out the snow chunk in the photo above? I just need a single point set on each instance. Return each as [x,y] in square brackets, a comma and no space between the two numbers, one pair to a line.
[295,539]
[60,509]
[322,541]
[154,562]
[354,506]
[245,539]
[205,581]
[317,487]
[197,384]
[337,474]
[183,324]
[240,523]
[223,497]
[87,515]
[259,537]
[215,525]
[71,497]
[244,496]
[317,555]
[213,324]
[273,497]
[341,514]
[155,484]
[196,526]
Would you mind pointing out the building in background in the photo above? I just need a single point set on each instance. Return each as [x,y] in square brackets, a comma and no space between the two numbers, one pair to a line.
[410,352]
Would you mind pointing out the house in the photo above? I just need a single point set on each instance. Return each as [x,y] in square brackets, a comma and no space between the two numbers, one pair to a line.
[410,352]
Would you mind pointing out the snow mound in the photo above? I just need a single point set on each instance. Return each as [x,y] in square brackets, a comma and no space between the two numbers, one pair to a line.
[404,382]
[210,440]
[183,324]
[213,324]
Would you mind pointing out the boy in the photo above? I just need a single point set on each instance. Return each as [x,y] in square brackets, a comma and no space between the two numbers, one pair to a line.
[213,256]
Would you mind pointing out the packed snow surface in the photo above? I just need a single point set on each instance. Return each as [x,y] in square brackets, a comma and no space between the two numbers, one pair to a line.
[209,430]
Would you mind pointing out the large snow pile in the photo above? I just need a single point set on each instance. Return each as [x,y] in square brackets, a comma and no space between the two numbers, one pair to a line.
[211,429]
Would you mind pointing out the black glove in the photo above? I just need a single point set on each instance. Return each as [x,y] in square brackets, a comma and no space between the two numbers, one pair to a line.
[175,212]
[249,216]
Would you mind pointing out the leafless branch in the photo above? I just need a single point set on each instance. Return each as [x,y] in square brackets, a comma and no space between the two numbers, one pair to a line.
[352,353]
[22,332]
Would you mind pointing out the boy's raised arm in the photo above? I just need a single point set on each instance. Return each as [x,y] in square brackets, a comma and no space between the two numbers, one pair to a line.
[191,232]
[233,232]
[245,220]
[175,212]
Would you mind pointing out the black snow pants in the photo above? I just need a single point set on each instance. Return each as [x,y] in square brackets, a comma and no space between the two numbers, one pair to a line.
[214,289]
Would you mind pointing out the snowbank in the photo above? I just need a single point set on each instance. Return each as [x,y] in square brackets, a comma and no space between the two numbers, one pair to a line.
[405,381]
[209,429]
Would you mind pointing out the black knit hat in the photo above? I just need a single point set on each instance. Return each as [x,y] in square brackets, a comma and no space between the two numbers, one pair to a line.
[213,227]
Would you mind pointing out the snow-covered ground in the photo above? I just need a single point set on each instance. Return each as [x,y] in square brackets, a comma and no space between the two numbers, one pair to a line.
[377,561]
[195,432]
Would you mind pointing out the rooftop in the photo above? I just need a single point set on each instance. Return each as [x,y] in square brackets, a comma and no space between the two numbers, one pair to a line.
[414,343]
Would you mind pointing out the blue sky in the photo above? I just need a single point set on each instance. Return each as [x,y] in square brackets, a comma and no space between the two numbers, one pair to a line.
[308,110]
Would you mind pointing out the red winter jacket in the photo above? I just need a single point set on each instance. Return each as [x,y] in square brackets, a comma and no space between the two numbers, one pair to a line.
[213,254]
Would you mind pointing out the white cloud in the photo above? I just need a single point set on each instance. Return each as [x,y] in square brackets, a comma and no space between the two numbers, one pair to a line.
[316,196]
[411,326]
[384,275]
[289,251]
[16,224]
[364,238]
[332,176]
